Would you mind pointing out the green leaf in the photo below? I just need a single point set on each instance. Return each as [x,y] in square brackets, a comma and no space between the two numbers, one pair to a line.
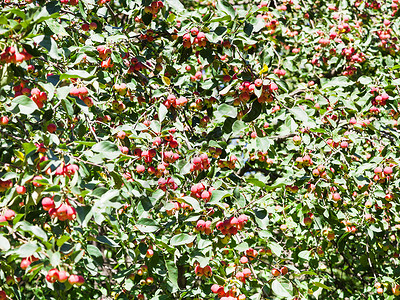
[55,258]
[192,202]
[172,272]
[256,182]
[76,74]
[109,196]
[33,229]
[242,247]
[24,105]
[28,148]
[321,285]
[263,143]
[280,290]
[341,81]
[238,126]
[275,248]
[226,8]
[218,195]
[306,255]
[94,251]
[62,92]
[227,110]
[182,239]
[254,112]
[258,24]
[248,28]
[176,4]
[107,149]
[83,215]
[4,243]
[27,249]
[147,225]
[365,80]
[68,107]
[106,240]
[62,240]
[56,27]
[49,44]
[225,90]
[53,188]
[162,112]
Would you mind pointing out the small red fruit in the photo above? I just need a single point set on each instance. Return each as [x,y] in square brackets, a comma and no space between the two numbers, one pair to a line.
[3,295]
[4,120]
[149,253]
[63,276]
[9,214]
[25,263]
[85,27]
[275,272]
[51,128]
[93,26]
[47,203]
[20,190]
[284,270]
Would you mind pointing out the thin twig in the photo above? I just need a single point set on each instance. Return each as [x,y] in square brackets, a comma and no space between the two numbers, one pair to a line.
[112,14]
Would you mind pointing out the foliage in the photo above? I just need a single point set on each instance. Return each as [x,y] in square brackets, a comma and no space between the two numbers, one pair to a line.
[199,149]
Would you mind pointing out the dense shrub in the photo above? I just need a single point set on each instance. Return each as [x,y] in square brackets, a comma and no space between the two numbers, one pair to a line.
[199,149]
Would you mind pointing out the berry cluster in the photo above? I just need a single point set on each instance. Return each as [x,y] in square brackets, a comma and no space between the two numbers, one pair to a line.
[101,2]
[104,52]
[11,55]
[120,88]
[267,92]
[206,271]
[178,206]
[70,2]
[319,172]
[81,93]
[123,149]
[262,156]
[380,98]
[200,163]
[63,212]
[87,27]
[277,272]
[382,175]
[26,262]
[228,163]
[135,65]
[66,170]
[199,191]
[7,215]
[54,275]
[243,275]
[170,157]
[232,225]
[171,101]
[204,227]
[304,161]
[215,152]
[154,7]
[280,72]
[229,295]
[4,120]
[194,37]
[5,184]
[353,57]
[163,184]
[3,295]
